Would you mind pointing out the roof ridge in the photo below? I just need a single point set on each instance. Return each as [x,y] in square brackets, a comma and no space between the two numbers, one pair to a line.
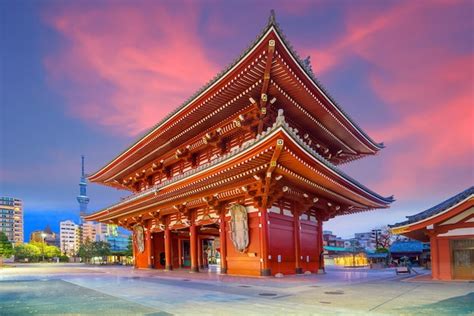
[309,71]
[438,208]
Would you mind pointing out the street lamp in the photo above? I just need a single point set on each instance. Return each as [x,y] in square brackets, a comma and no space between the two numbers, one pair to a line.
[43,236]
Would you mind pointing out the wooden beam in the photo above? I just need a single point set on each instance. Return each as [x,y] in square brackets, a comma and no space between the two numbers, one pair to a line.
[266,81]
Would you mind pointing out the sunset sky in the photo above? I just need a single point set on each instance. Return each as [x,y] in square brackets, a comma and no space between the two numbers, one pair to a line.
[89,77]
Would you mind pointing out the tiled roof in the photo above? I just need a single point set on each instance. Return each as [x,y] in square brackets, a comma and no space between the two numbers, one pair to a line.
[279,123]
[411,246]
[303,63]
[437,208]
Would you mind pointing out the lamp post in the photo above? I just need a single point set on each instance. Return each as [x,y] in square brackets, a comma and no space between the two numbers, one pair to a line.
[43,236]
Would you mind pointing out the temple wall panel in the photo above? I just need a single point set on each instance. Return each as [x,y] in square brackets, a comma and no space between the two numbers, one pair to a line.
[282,243]
[245,263]
[309,246]
[158,251]
[444,259]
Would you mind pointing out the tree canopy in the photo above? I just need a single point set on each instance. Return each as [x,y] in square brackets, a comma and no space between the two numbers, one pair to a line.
[89,250]
[6,248]
[34,251]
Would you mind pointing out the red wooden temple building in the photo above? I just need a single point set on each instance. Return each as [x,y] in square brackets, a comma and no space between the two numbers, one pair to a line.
[247,166]
[449,227]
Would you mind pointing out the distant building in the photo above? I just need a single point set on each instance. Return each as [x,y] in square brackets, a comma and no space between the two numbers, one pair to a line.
[411,249]
[47,236]
[118,243]
[331,240]
[11,219]
[69,235]
[365,240]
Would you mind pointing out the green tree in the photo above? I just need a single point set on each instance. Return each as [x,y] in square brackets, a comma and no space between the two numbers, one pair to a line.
[381,250]
[42,248]
[101,249]
[51,251]
[89,250]
[27,251]
[85,251]
[6,248]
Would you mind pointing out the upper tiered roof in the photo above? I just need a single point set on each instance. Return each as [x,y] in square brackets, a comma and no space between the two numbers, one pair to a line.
[293,84]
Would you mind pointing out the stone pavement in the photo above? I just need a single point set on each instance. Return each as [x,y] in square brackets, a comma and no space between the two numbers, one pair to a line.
[80,289]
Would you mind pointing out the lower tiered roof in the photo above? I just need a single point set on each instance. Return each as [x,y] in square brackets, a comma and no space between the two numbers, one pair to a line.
[300,172]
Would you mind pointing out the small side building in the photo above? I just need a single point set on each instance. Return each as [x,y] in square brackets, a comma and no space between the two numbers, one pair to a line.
[411,249]
[449,227]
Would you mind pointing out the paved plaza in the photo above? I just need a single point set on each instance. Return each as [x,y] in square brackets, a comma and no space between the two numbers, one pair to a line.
[45,289]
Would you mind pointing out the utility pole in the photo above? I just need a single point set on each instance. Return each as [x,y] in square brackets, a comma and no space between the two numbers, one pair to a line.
[375,234]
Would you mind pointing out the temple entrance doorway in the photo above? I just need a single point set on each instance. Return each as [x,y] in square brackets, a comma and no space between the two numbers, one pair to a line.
[207,248]
[186,253]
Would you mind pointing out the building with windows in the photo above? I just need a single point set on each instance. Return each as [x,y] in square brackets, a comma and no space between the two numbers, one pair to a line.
[69,235]
[46,236]
[248,163]
[11,219]
[365,240]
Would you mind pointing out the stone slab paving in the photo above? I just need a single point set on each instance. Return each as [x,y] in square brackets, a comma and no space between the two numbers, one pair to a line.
[60,297]
[123,290]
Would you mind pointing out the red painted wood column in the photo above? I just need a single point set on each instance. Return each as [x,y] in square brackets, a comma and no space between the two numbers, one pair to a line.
[199,251]
[148,246]
[297,237]
[320,246]
[168,260]
[434,257]
[193,236]
[223,241]
[180,253]
[264,242]
[135,250]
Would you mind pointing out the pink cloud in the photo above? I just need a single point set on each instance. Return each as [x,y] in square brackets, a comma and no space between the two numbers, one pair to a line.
[132,64]
[425,80]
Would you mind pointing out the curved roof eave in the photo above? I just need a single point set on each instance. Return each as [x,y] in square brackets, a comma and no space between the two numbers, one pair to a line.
[436,210]
[272,24]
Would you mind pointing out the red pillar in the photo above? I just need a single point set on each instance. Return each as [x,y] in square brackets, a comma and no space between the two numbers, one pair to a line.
[434,257]
[297,237]
[148,246]
[135,250]
[264,244]
[223,241]
[199,251]
[320,246]
[168,260]
[193,236]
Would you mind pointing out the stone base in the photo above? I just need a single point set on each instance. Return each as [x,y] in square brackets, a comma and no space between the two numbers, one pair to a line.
[168,268]
[299,270]
[266,272]
[194,270]
[279,275]
[307,272]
